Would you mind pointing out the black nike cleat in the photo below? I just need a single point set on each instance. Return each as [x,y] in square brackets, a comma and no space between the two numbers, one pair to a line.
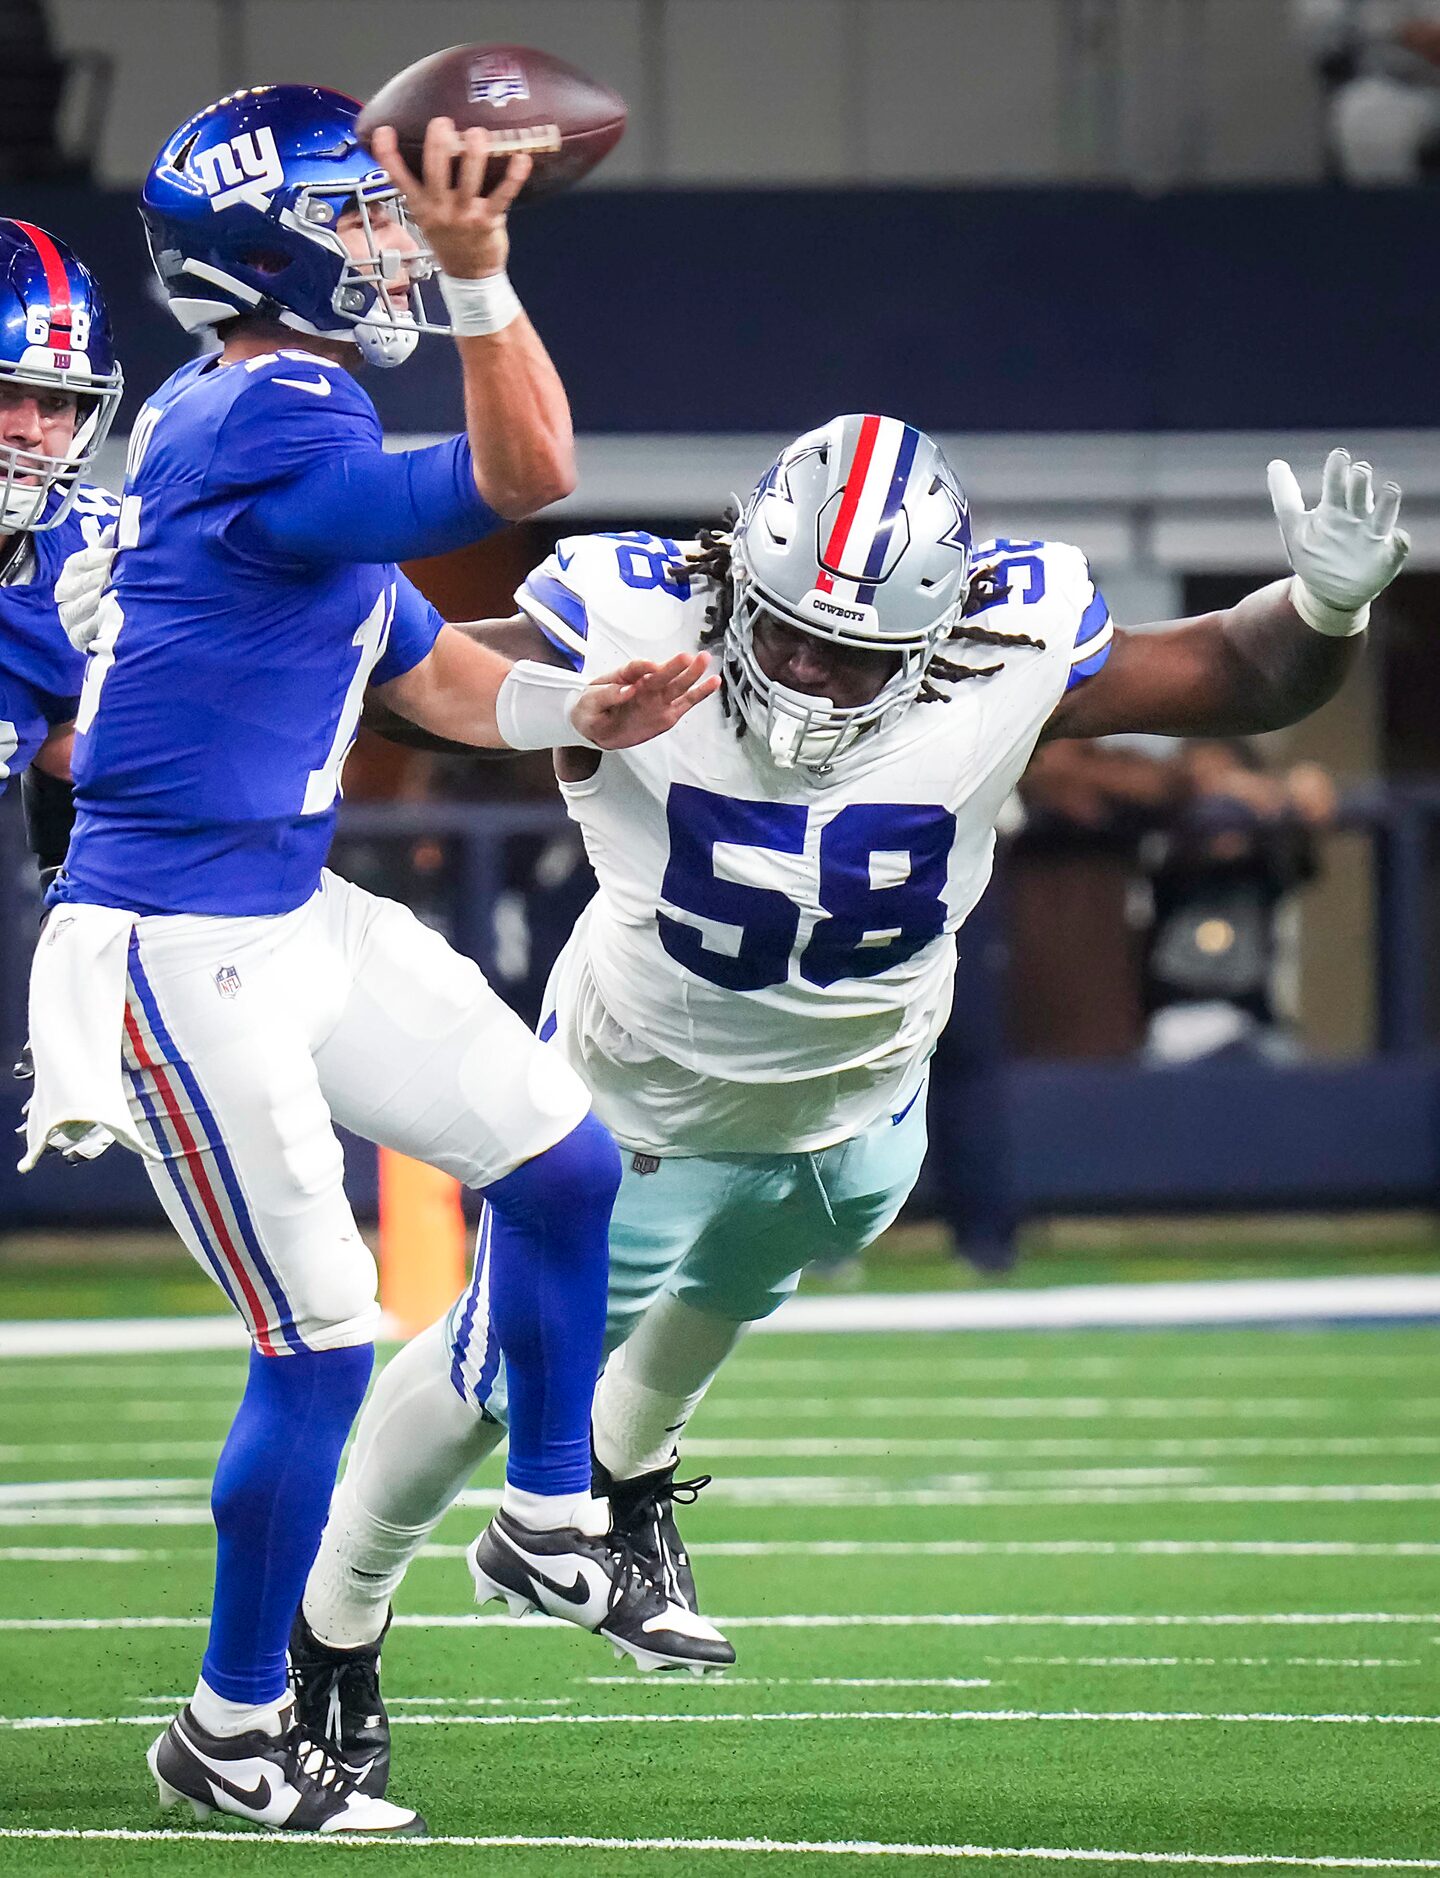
[288,1781]
[337,1700]
[600,1583]
[642,1511]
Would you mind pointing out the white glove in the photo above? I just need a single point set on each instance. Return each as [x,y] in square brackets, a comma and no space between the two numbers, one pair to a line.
[80,590]
[1345,550]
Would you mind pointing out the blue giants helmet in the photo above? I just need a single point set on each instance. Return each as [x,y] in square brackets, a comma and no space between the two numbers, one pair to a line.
[54,339]
[243,207]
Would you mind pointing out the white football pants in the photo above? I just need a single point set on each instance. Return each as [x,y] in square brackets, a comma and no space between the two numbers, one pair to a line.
[248,1038]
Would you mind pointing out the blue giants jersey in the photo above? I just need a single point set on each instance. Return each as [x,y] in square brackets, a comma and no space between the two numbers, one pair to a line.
[226,688]
[40,671]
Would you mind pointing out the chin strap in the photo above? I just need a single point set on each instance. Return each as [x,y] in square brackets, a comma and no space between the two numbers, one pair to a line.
[384,344]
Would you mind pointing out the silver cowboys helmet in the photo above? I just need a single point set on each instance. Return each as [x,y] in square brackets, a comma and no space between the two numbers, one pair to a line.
[858,533]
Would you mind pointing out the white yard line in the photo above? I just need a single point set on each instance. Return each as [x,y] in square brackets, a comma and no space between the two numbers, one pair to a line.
[855,1548]
[27,1492]
[1320,1364]
[1207,1662]
[727,1681]
[95,1554]
[831,1848]
[197,1515]
[90,1503]
[1381,1298]
[24,1454]
[1066,1408]
[864,1447]
[111,1376]
[740,1718]
[963,1448]
[824,1447]
[825,1620]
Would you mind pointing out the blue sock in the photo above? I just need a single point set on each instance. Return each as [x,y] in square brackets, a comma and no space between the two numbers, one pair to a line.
[549,1265]
[271,1494]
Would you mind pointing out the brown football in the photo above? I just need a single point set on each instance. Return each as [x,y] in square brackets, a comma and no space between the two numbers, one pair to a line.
[527,100]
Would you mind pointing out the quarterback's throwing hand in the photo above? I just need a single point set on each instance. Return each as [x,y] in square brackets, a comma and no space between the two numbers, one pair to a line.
[466,231]
[1347,549]
[642,700]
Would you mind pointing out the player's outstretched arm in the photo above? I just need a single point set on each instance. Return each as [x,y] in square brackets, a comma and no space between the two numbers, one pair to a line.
[517,416]
[1280,653]
[468,693]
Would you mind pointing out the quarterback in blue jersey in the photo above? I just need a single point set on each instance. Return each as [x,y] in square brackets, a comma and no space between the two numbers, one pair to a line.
[59,387]
[212,997]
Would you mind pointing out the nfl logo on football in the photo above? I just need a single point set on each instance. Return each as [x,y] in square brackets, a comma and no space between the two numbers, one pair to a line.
[496,79]
[227,981]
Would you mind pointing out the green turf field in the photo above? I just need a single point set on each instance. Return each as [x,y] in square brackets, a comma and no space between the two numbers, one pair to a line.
[1168,1593]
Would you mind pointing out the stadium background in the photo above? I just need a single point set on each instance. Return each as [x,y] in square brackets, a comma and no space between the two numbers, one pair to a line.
[1096,246]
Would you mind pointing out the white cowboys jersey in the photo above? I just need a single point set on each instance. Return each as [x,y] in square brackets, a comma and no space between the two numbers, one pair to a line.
[770,956]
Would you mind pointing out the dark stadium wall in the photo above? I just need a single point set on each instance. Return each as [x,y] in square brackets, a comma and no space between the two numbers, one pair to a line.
[972,310]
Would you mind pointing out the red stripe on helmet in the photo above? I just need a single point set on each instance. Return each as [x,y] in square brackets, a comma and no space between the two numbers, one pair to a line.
[835,547]
[57,282]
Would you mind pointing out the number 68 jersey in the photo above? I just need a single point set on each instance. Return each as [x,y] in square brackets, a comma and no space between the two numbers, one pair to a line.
[771,953]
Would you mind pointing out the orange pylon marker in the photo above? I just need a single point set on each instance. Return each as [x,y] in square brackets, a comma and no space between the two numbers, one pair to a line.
[424,1242]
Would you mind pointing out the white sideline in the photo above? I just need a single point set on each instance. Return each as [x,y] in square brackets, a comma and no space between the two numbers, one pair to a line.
[1385,1297]
[835,1848]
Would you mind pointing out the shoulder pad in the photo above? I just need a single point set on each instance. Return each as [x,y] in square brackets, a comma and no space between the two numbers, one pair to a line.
[91,499]
[627,589]
[1049,594]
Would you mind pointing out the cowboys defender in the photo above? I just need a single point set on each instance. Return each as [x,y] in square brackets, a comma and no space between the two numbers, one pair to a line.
[755,989]
[212,997]
[60,386]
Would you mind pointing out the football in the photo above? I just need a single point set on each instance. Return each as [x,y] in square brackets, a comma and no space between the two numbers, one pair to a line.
[527,100]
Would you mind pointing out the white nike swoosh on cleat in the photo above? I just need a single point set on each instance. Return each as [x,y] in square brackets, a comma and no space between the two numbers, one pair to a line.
[320,386]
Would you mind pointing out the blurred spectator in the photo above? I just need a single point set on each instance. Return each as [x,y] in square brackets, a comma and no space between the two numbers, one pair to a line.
[1380,63]
[1075,984]
[1238,843]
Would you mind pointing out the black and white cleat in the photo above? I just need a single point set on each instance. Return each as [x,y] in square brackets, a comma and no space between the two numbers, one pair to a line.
[642,1511]
[290,1782]
[602,1584]
[338,1701]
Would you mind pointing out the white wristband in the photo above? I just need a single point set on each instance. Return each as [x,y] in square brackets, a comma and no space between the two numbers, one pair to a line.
[533,707]
[1335,622]
[478,307]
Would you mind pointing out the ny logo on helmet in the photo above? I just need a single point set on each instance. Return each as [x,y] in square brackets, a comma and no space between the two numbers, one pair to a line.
[246,169]
[496,79]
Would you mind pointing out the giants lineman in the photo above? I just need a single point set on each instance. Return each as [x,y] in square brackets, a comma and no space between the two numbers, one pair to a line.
[60,385]
[212,997]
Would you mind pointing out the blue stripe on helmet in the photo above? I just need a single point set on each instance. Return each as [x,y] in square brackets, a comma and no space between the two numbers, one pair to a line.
[894,496]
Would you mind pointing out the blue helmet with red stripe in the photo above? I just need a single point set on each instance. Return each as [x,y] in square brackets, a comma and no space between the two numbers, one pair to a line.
[858,533]
[57,361]
[267,204]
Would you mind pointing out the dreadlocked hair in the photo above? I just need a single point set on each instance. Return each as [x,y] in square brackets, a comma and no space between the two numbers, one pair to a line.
[986,590]
[709,561]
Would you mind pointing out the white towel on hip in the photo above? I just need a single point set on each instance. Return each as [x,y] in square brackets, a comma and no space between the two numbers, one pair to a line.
[77,1029]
